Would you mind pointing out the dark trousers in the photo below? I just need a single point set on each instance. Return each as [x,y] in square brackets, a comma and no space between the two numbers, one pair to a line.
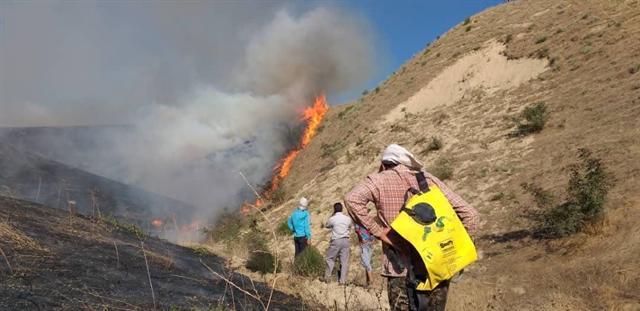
[403,297]
[300,243]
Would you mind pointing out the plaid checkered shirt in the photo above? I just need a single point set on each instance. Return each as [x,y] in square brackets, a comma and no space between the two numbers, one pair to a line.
[387,191]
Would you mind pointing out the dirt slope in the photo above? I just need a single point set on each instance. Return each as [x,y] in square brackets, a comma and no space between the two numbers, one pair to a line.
[57,262]
[581,58]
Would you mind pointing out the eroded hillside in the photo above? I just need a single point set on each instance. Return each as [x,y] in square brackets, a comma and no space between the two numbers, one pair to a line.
[582,60]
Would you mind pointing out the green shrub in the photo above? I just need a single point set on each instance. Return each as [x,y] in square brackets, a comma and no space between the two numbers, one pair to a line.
[589,184]
[508,38]
[283,228]
[262,261]
[399,128]
[497,197]
[467,29]
[255,240]
[124,226]
[634,69]
[344,112]
[532,119]
[542,197]
[467,21]
[442,169]
[434,145]
[540,53]
[228,227]
[309,263]
[201,251]
[277,196]
[329,150]
[541,40]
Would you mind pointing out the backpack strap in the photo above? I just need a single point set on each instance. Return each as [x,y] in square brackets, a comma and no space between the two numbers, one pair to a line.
[422,182]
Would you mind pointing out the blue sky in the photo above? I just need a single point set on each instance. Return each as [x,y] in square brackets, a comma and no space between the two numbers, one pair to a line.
[404,27]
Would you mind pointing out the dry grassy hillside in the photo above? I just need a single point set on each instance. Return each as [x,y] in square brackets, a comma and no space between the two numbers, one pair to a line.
[582,59]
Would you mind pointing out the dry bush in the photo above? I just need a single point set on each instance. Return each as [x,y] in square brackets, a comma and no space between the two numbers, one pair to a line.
[17,239]
[434,145]
[442,168]
[227,228]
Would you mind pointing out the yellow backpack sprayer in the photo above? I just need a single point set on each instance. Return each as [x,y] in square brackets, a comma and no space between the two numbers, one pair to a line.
[428,222]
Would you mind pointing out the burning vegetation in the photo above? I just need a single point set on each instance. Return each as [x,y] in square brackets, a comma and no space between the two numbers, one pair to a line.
[312,116]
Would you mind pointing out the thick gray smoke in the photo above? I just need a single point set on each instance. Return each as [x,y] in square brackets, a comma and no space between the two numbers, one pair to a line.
[211,89]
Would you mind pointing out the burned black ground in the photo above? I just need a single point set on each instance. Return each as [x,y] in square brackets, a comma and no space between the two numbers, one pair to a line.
[56,261]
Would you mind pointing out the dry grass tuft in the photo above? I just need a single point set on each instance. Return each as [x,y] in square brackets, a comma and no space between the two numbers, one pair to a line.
[17,239]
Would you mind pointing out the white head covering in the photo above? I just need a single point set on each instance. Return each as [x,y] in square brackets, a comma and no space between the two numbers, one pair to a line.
[304,203]
[398,155]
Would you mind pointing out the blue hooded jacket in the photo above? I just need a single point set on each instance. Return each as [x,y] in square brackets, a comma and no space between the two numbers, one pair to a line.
[300,223]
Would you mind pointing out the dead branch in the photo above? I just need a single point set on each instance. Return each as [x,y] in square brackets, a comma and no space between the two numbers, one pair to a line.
[224,294]
[233,297]
[275,238]
[117,255]
[103,298]
[6,260]
[233,284]
[39,186]
[153,295]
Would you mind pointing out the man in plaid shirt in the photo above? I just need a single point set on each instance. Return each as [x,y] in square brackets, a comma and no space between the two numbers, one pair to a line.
[387,189]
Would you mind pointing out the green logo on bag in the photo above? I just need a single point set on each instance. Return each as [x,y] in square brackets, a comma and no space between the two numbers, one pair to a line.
[427,230]
[440,223]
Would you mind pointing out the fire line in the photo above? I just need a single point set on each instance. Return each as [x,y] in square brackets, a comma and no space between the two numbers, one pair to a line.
[313,117]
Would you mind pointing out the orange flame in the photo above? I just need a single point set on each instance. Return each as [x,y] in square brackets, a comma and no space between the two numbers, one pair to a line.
[313,117]
[157,223]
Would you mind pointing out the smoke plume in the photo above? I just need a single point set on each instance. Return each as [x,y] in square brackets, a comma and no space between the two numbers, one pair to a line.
[208,89]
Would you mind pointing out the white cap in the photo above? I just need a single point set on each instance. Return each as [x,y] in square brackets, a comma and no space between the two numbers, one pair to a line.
[303,203]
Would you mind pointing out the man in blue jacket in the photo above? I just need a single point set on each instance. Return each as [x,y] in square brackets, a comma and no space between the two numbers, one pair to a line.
[300,224]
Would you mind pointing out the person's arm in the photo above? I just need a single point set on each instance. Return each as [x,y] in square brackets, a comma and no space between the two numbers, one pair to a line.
[290,223]
[467,214]
[356,201]
[329,223]
[307,226]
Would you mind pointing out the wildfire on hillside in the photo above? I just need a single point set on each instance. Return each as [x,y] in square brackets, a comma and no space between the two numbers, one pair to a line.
[169,228]
[312,116]
[157,223]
